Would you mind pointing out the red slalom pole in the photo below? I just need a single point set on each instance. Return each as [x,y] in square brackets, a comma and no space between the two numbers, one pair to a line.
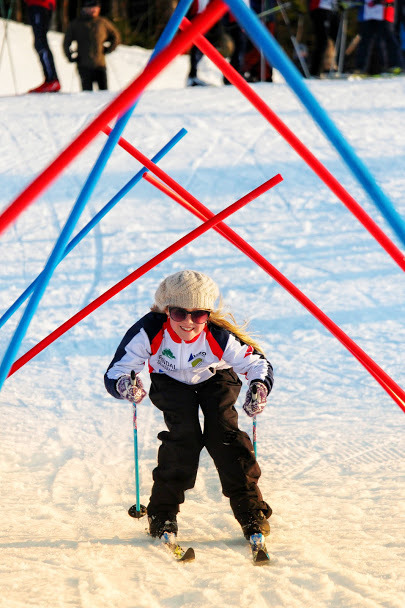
[240,83]
[176,197]
[387,383]
[344,339]
[179,199]
[204,21]
[163,255]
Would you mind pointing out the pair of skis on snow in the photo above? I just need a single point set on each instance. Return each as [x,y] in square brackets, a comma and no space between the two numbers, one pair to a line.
[257,543]
[260,555]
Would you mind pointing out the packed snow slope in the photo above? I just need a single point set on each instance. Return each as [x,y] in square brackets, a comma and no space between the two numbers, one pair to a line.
[330,442]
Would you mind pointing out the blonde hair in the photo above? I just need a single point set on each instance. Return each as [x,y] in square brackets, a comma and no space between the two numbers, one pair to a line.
[226,320]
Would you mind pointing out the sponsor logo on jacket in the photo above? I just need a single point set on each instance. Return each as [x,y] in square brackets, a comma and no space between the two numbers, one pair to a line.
[196,360]
[164,363]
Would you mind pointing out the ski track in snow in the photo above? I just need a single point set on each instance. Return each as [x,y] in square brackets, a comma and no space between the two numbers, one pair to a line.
[330,443]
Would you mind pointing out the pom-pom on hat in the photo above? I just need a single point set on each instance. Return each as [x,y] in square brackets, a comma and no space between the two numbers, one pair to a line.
[187,289]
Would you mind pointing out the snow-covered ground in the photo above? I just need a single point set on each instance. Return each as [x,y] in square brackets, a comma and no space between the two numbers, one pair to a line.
[330,443]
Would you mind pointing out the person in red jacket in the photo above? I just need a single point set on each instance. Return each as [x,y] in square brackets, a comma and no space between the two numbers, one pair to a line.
[40,13]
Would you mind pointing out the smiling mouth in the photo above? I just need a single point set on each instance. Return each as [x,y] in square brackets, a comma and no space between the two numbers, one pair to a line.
[187,328]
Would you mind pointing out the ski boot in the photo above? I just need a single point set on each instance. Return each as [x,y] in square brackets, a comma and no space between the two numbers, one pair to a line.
[159,523]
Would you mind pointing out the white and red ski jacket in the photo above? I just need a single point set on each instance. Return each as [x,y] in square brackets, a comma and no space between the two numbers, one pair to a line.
[152,339]
[377,10]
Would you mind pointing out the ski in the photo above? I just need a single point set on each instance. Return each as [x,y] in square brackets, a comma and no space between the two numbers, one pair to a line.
[181,555]
[259,551]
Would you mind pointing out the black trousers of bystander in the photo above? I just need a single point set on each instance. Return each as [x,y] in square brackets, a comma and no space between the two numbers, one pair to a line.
[88,76]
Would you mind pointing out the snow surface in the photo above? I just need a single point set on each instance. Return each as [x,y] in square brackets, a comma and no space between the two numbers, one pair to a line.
[330,442]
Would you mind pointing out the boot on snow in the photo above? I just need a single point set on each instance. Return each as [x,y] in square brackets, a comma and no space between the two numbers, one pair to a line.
[159,523]
[253,522]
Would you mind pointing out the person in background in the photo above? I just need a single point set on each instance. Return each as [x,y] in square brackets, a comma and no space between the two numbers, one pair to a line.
[95,36]
[214,35]
[197,7]
[401,29]
[40,14]
[238,38]
[376,27]
[325,24]
[194,354]
[254,71]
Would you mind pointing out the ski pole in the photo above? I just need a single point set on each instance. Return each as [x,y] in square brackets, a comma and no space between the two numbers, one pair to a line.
[293,39]
[255,435]
[137,511]
[6,40]
[275,9]
[254,400]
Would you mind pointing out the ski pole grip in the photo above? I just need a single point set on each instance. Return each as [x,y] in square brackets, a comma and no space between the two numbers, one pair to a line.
[254,393]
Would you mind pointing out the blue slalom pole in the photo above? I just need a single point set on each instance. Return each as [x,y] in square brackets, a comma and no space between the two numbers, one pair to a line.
[80,235]
[136,510]
[56,256]
[276,56]
[78,208]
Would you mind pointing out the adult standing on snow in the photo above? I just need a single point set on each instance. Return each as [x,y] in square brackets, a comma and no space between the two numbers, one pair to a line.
[376,19]
[215,35]
[195,353]
[40,14]
[95,36]
[325,25]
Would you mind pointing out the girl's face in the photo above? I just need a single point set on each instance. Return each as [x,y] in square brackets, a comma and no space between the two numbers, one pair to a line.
[186,330]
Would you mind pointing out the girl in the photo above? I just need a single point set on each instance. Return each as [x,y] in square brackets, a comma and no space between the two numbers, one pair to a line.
[194,354]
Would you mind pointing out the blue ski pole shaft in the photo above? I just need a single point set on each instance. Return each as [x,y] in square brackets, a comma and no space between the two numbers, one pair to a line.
[255,435]
[74,216]
[139,510]
[136,459]
[137,489]
[80,235]
[254,402]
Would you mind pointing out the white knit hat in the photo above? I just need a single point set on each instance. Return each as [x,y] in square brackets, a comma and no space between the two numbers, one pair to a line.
[187,289]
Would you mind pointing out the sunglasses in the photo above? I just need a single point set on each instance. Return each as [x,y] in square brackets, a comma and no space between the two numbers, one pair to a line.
[180,314]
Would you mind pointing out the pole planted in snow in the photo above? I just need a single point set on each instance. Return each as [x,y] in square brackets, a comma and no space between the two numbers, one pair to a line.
[203,22]
[179,194]
[163,255]
[312,161]
[84,231]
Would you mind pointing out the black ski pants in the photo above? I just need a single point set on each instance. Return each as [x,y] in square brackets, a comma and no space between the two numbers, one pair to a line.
[377,32]
[325,25]
[230,448]
[40,18]
[88,76]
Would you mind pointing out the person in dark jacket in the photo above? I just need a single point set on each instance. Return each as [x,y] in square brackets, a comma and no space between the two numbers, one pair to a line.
[95,36]
[194,355]
[40,13]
